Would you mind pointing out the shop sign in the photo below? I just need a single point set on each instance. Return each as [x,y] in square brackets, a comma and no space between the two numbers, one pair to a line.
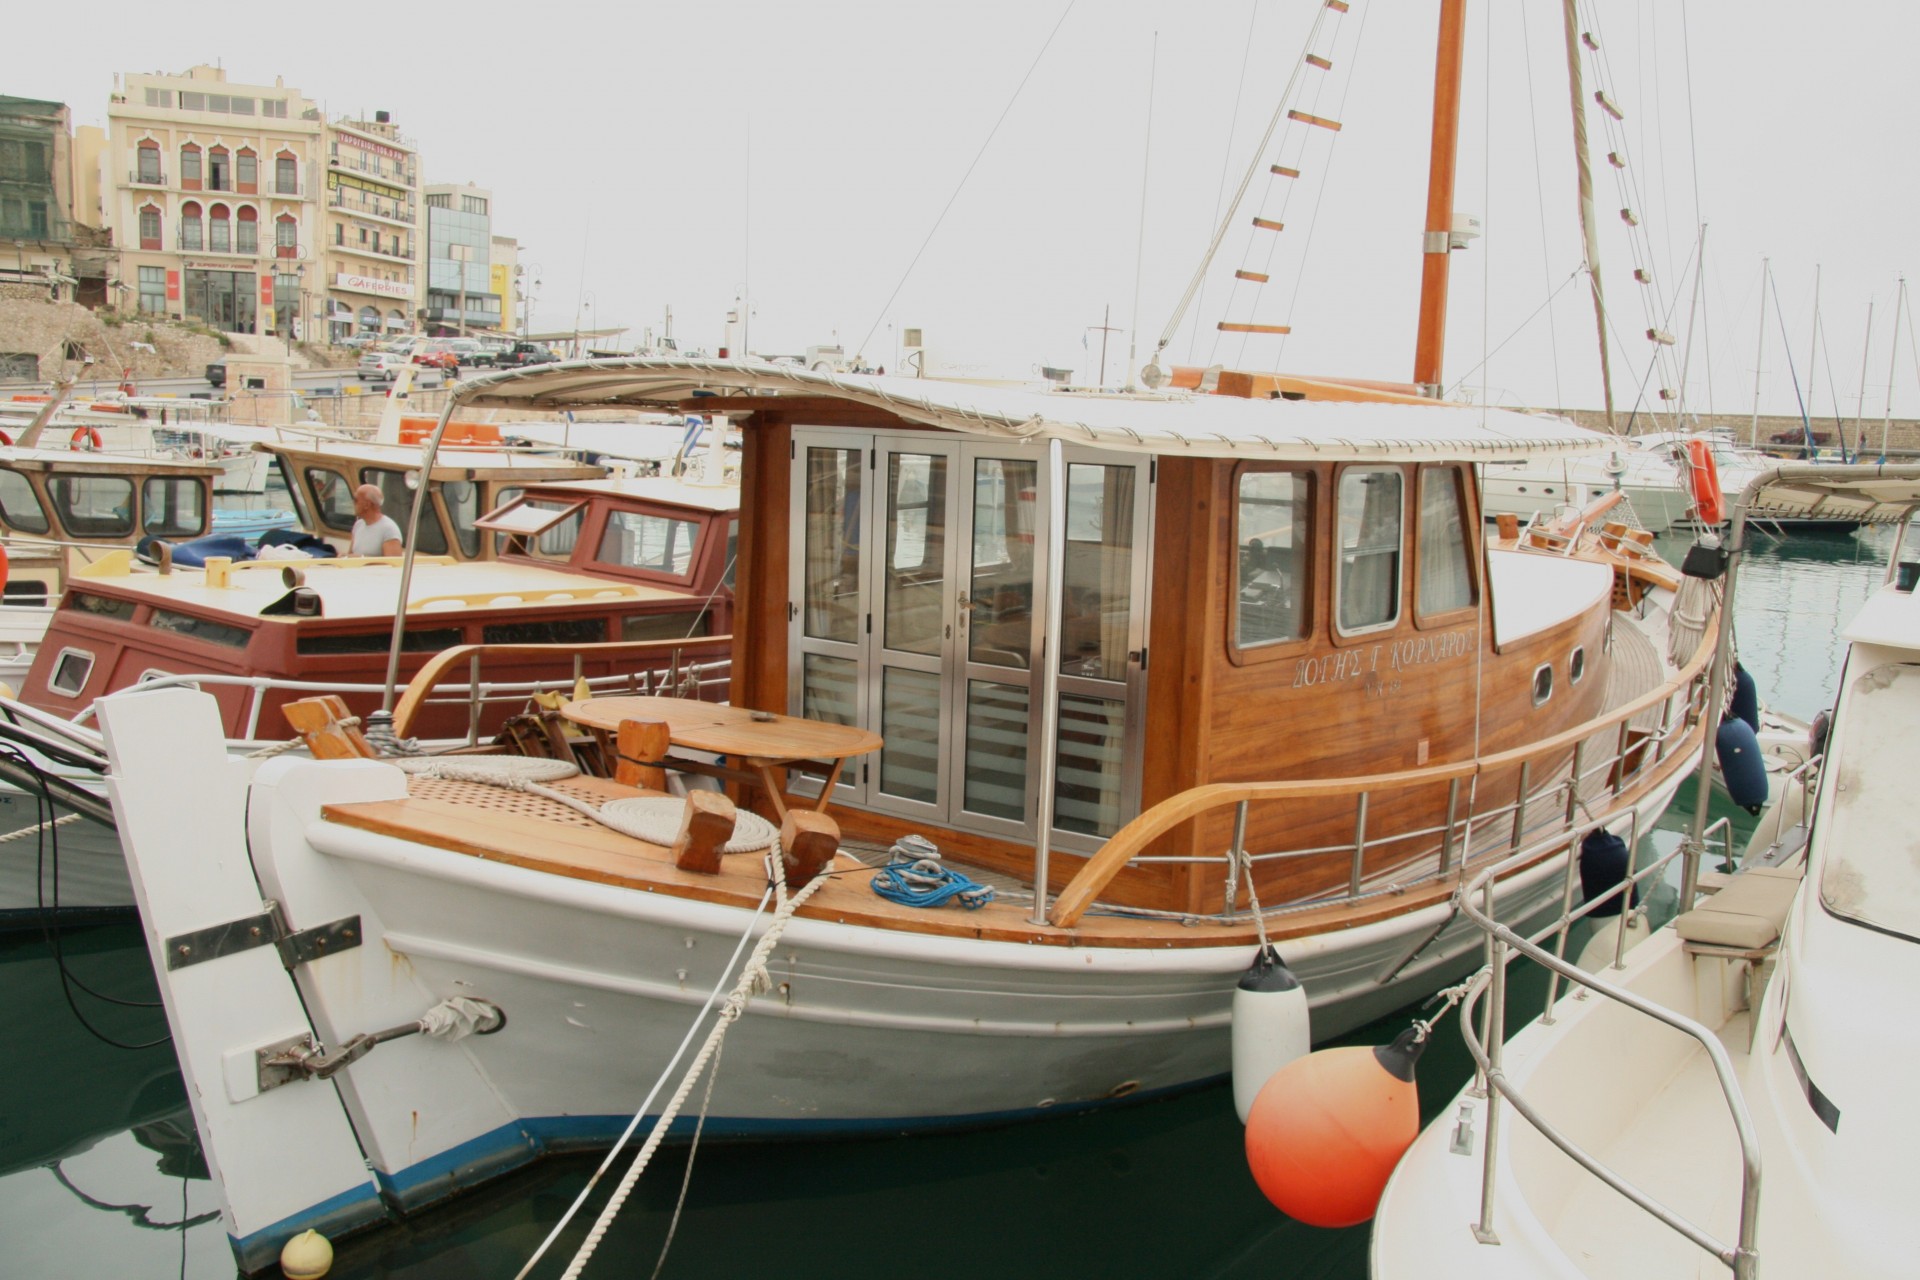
[370,284]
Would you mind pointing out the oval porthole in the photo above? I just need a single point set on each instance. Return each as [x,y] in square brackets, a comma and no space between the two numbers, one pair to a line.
[1576,665]
[1542,683]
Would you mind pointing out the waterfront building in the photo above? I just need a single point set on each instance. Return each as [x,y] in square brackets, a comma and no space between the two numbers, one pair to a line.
[504,278]
[370,246]
[460,295]
[46,250]
[213,198]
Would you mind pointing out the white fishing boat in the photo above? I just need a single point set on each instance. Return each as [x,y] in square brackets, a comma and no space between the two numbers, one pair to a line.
[1719,1097]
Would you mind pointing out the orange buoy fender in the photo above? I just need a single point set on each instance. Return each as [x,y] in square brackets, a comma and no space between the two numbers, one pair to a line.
[1708,501]
[85,438]
[1327,1130]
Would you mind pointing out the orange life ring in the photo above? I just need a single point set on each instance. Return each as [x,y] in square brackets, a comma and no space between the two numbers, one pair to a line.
[85,438]
[1708,501]
[5,438]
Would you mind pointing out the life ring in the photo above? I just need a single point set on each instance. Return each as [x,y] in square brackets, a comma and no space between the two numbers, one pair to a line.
[1708,501]
[5,438]
[85,438]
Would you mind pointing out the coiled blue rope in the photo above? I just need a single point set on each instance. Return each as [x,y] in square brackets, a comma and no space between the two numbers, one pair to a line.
[916,878]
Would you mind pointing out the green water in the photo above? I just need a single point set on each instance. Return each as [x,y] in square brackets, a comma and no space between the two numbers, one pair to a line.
[99,1167]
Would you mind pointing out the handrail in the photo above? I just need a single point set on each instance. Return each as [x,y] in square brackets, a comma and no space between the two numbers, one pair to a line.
[430,674]
[1743,1259]
[1093,878]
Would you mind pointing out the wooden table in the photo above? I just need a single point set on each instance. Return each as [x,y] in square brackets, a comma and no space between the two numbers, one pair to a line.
[766,744]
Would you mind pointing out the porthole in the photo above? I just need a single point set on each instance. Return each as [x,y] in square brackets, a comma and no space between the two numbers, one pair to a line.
[1576,665]
[1542,683]
[70,672]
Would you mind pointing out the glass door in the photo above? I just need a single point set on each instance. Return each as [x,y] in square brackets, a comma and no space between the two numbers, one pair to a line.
[934,641]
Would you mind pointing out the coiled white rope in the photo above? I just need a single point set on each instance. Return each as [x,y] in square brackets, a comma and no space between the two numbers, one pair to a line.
[753,979]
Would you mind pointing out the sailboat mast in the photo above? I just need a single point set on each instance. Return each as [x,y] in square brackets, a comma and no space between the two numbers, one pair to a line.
[1886,423]
[1588,229]
[1860,401]
[1430,349]
[1759,353]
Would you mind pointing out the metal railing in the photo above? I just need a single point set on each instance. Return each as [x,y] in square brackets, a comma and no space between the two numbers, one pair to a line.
[683,678]
[1547,802]
[1488,1044]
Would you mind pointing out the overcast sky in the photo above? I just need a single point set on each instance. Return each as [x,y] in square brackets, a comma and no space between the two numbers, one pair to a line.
[650,155]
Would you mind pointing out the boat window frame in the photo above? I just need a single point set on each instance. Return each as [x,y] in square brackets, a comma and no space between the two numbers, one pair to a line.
[1470,527]
[1542,699]
[322,514]
[1274,650]
[195,485]
[511,498]
[39,505]
[64,513]
[423,489]
[1342,636]
[1576,665]
[698,521]
[59,665]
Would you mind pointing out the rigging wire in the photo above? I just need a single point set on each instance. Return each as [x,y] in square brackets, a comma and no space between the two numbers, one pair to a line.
[961,186]
[1140,241]
[1518,329]
[1540,200]
[1226,157]
[1486,203]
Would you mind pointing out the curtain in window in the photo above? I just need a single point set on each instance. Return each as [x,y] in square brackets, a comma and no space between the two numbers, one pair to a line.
[1446,579]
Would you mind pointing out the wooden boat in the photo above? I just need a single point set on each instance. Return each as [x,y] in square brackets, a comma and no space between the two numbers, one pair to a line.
[1176,674]
[1723,1086]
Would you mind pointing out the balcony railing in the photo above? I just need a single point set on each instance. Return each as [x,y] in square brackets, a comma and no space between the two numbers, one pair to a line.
[379,209]
[204,244]
[401,255]
[156,180]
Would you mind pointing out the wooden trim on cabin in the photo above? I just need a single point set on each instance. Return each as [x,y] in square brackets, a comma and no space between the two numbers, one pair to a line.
[1279,650]
[1465,490]
[1189,521]
[760,578]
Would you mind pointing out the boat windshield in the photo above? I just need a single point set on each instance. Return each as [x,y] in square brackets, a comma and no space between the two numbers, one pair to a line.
[1870,874]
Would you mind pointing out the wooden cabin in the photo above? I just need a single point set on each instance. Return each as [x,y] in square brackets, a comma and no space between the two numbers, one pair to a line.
[1242,590]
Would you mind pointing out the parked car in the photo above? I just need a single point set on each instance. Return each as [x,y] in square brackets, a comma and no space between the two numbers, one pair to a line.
[432,358]
[470,351]
[521,354]
[217,374]
[380,366]
[358,341]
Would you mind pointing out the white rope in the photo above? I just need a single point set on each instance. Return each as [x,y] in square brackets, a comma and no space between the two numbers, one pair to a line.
[38,827]
[652,1093]
[753,978]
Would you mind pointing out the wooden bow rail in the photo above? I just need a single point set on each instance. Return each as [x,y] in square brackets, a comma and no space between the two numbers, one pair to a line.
[1628,763]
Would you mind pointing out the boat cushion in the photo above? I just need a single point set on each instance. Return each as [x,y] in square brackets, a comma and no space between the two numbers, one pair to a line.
[1748,914]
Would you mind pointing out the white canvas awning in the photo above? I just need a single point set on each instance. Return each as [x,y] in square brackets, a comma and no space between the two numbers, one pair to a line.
[1872,494]
[1175,424]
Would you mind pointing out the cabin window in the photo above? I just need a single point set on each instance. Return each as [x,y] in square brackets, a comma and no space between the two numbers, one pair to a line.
[559,540]
[1542,683]
[19,505]
[28,592]
[1445,579]
[1368,587]
[1576,665]
[332,498]
[554,631]
[173,506]
[412,640]
[463,508]
[1272,538]
[93,506]
[639,540]
[666,626]
[186,624]
[70,672]
[733,552]
[830,603]
[1096,605]
[101,606]
[396,502]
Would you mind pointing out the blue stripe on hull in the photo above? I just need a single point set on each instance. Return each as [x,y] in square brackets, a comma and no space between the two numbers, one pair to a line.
[510,1146]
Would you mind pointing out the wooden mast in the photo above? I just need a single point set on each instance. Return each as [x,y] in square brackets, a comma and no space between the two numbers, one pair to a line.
[1431,347]
[1590,236]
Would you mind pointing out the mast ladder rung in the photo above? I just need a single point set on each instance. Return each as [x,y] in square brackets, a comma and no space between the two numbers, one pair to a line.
[1660,336]
[1627,216]
[1586,38]
[1668,393]
[1338,6]
[1320,122]
[1615,159]
[1643,275]
[1229,326]
[1255,276]
[1606,104]
[1315,60]
[1285,172]
[1268,224]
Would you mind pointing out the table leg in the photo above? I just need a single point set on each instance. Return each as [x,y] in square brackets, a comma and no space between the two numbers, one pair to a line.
[826,788]
[770,779]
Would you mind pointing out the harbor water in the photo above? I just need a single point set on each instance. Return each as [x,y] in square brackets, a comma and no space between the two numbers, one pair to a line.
[101,1174]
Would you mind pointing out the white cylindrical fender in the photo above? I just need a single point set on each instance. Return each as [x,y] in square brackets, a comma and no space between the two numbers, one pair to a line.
[1270,1026]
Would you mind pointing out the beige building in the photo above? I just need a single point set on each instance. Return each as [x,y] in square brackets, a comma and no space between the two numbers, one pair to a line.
[503,273]
[213,194]
[50,245]
[371,245]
